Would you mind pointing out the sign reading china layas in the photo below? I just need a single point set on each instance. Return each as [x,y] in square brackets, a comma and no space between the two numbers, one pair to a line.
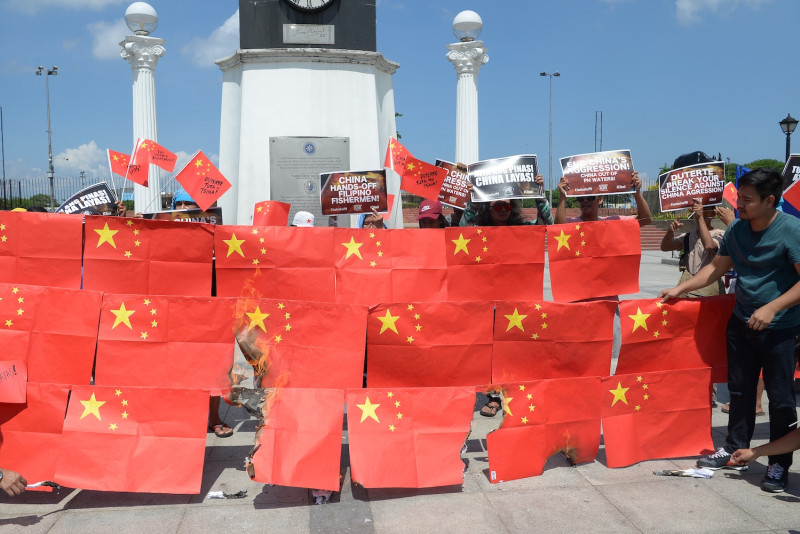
[501,178]
[598,173]
[353,192]
[454,190]
[678,187]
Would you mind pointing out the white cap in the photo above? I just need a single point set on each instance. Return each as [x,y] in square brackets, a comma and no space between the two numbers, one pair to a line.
[303,218]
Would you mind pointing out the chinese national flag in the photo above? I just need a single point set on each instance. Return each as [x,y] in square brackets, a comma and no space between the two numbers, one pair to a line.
[300,443]
[594,259]
[396,156]
[202,180]
[541,419]
[648,416]
[303,344]
[423,179]
[13,380]
[271,213]
[495,263]
[30,433]
[53,330]
[41,248]
[679,334]
[118,162]
[134,439]
[541,340]
[275,262]
[149,257]
[161,341]
[408,437]
[429,344]
[731,194]
[145,153]
[388,265]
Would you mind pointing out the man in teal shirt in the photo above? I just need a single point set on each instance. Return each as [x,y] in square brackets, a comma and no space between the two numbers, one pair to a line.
[764,247]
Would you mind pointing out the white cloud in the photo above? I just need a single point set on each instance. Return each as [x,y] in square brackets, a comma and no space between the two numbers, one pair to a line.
[34,6]
[688,10]
[69,45]
[88,157]
[106,37]
[222,42]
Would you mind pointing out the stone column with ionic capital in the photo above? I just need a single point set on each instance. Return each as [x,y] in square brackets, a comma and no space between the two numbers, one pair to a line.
[468,58]
[143,52]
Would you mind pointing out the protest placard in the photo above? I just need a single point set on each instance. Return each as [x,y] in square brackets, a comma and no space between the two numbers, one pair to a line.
[210,216]
[599,173]
[96,199]
[678,187]
[791,171]
[501,178]
[353,192]
[454,190]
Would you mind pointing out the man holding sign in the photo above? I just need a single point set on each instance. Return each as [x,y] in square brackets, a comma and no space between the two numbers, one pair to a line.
[591,204]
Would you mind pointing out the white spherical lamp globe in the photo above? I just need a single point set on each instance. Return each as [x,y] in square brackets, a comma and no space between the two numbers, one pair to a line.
[467,26]
[141,18]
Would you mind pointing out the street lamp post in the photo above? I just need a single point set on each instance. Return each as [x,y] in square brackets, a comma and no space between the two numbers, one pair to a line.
[788,125]
[50,171]
[550,143]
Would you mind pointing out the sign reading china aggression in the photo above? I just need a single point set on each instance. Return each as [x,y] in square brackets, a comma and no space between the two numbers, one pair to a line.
[599,173]
[454,190]
[678,187]
[353,192]
[511,177]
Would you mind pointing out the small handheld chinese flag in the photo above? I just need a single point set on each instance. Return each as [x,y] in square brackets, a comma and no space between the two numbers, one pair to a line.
[118,162]
[271,213]
[396,156]
[149,152]
[202,180]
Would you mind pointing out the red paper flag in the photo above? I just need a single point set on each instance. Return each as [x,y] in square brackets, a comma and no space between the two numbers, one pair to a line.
[648,416]
[541,340]
[134,439]
[300,443]
[730,194]
[150,152]
[271,213]
[275,262]
[396,156]
[148,257]
[541,419]
[422,179]
[31,432]
[679,334]
[118,162]
[429,344]
[408,437]
[495,263]
[594,259]
[179,342]
[303,344]
[41,248]
[13,379]
[202,180]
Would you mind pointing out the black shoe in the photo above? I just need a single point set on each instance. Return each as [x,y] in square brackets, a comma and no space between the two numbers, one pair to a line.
[775,479]
[719,460]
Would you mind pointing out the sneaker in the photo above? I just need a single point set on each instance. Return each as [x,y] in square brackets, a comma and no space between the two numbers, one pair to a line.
[719,460]
[775,479]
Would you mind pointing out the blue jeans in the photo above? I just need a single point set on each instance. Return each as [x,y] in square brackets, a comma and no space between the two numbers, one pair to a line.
[749,352]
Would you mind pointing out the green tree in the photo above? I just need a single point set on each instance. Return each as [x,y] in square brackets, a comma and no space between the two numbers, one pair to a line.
[767,164]
[39,199]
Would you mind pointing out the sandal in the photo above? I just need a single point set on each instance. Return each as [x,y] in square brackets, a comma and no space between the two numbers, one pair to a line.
[491,408]
[221,430]
[726,408]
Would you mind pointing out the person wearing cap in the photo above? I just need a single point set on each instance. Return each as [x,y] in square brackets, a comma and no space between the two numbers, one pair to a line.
[182,201]
[303,219]
[430,215]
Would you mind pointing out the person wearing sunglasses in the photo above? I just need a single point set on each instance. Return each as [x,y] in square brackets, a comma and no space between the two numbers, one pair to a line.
[591,204]
[505,212]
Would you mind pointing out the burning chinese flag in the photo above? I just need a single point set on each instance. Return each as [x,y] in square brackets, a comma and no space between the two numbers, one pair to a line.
[408,437]
[202,180]
[31,432]
[647,416]
[541,419]
[41,248]
[134,439]
[118,162]
[396,156]
[181,342]
[495,263]
[148,256]
[429,344]
[541,340]
[275,262]
[271,213]
[301,344]
[678,334]
[422,179]
[300,443]
[594,259]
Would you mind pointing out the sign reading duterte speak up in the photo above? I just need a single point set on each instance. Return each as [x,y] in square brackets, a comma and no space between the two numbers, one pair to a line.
[599,173]
[678,187]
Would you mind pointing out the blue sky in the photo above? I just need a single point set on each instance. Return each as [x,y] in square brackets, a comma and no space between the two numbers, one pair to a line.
[671,76]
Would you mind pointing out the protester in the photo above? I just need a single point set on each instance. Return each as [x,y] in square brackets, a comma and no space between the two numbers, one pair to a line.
[303,219]
[182,201]
[430,215]
[591,204]
[785,445]
[371,220]
[764,247]
[504,212]
[12,482]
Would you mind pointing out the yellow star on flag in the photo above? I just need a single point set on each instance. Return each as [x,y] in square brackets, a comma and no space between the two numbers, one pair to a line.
[388,322]
[619,394]
[640,319]
[461,244]
[257,319]
[515,319]
[563,240]
[106,236]
[123,316]
[368,410]
[92,406]
[234,245]
[352,248]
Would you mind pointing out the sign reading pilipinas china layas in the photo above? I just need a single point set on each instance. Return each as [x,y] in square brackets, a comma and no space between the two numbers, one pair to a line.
[511,177]
[353,192]
[598,173]
[678,187]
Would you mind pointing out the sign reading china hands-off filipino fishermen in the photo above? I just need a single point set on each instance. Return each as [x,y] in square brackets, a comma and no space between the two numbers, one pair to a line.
[598,173]
[96,199]
[353,192]
[454,190]
[501,178]
[678,187]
